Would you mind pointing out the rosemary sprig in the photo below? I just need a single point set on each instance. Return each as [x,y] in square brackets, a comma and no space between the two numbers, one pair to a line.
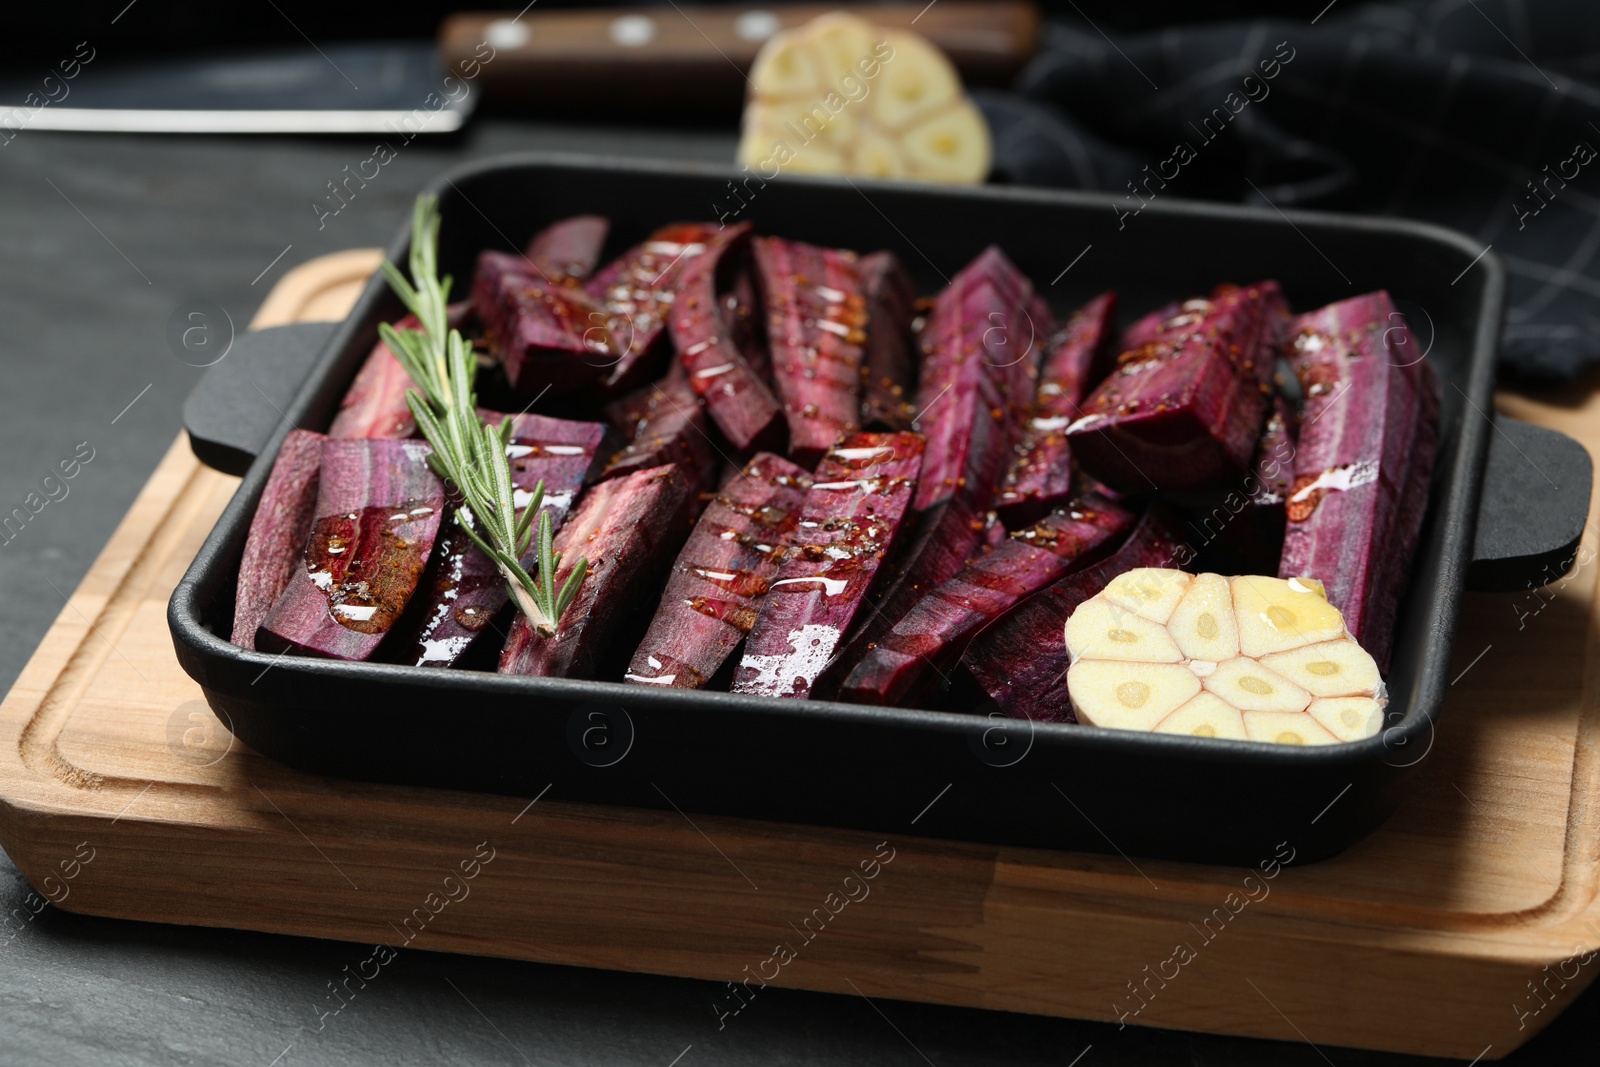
[467,452]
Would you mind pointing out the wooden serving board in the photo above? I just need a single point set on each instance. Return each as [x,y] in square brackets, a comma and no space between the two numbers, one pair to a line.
[121,795]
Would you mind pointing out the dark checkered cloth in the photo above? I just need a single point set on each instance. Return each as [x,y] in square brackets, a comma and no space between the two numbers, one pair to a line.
[1481,115]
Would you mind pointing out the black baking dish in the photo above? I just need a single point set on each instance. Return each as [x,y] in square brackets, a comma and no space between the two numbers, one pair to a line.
[899,771]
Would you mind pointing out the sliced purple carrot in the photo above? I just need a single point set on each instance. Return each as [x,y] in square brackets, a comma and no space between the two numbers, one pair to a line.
[491,273]
[910,660]
[463,590]
[637,291]
[850,520]
[736,398]
[979,344]
[663,423]
[888,372]
[278,532]
[1413,502]
[1162,320]
[627,528]
[1021,659]
[1185,409]
[378,511]
[566,252]
[1360,436]
[1040,478]
[976,344]
[722,575]
[375,404]
[816,318]
[554,339]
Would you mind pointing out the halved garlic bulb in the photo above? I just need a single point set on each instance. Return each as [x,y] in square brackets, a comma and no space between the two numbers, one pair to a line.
[1249,657]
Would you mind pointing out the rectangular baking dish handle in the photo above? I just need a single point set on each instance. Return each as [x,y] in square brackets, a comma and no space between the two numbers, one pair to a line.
[1531,515]
[1534,507]
[240,401]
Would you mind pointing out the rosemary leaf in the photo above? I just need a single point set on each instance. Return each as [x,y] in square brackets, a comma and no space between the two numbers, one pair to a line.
[469,454]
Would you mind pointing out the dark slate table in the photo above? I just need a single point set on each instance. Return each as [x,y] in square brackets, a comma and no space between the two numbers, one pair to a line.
[101,238]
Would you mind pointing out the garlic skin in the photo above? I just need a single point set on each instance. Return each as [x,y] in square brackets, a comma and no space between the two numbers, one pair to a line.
[1248,658]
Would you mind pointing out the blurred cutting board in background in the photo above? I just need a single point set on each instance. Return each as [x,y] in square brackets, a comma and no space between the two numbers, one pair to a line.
[680,57]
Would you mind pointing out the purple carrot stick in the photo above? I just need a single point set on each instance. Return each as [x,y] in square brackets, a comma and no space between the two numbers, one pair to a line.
[1184,410]
[638,289]
[722,575]
[910,660]
[375,404]
[663,423]
[378,511]
[736,398]
[849,522]
[463,589]
[1040,478]
[278,532]
[627,528]
[888,373]
[976,380]
[566,251]
[816,319]
[1359,439]
[1021,659]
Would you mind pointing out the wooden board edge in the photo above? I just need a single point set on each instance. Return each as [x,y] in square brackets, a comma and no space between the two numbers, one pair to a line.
[48,821]
[296,292]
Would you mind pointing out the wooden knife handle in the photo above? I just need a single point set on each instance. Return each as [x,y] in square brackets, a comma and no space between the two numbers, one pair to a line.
[674,57]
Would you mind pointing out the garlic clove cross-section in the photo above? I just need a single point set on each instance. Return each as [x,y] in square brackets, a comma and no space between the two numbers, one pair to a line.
[840,95]
[1244,658]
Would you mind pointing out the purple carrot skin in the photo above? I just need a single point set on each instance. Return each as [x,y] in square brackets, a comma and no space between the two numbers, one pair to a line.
[378,511]
[278,531]
[721,576]
[816,331]
[1149,327]
[888,374]
[978,344]
[567,251]
[627,528]
[663,423]
[375,404]
[912,659]
[1361,416]
[1412,509]
[1040,478]
[1015,324]
[1185,409]
[1021,659]
[850,520]
[736,398]
[638,289]
[463,589]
